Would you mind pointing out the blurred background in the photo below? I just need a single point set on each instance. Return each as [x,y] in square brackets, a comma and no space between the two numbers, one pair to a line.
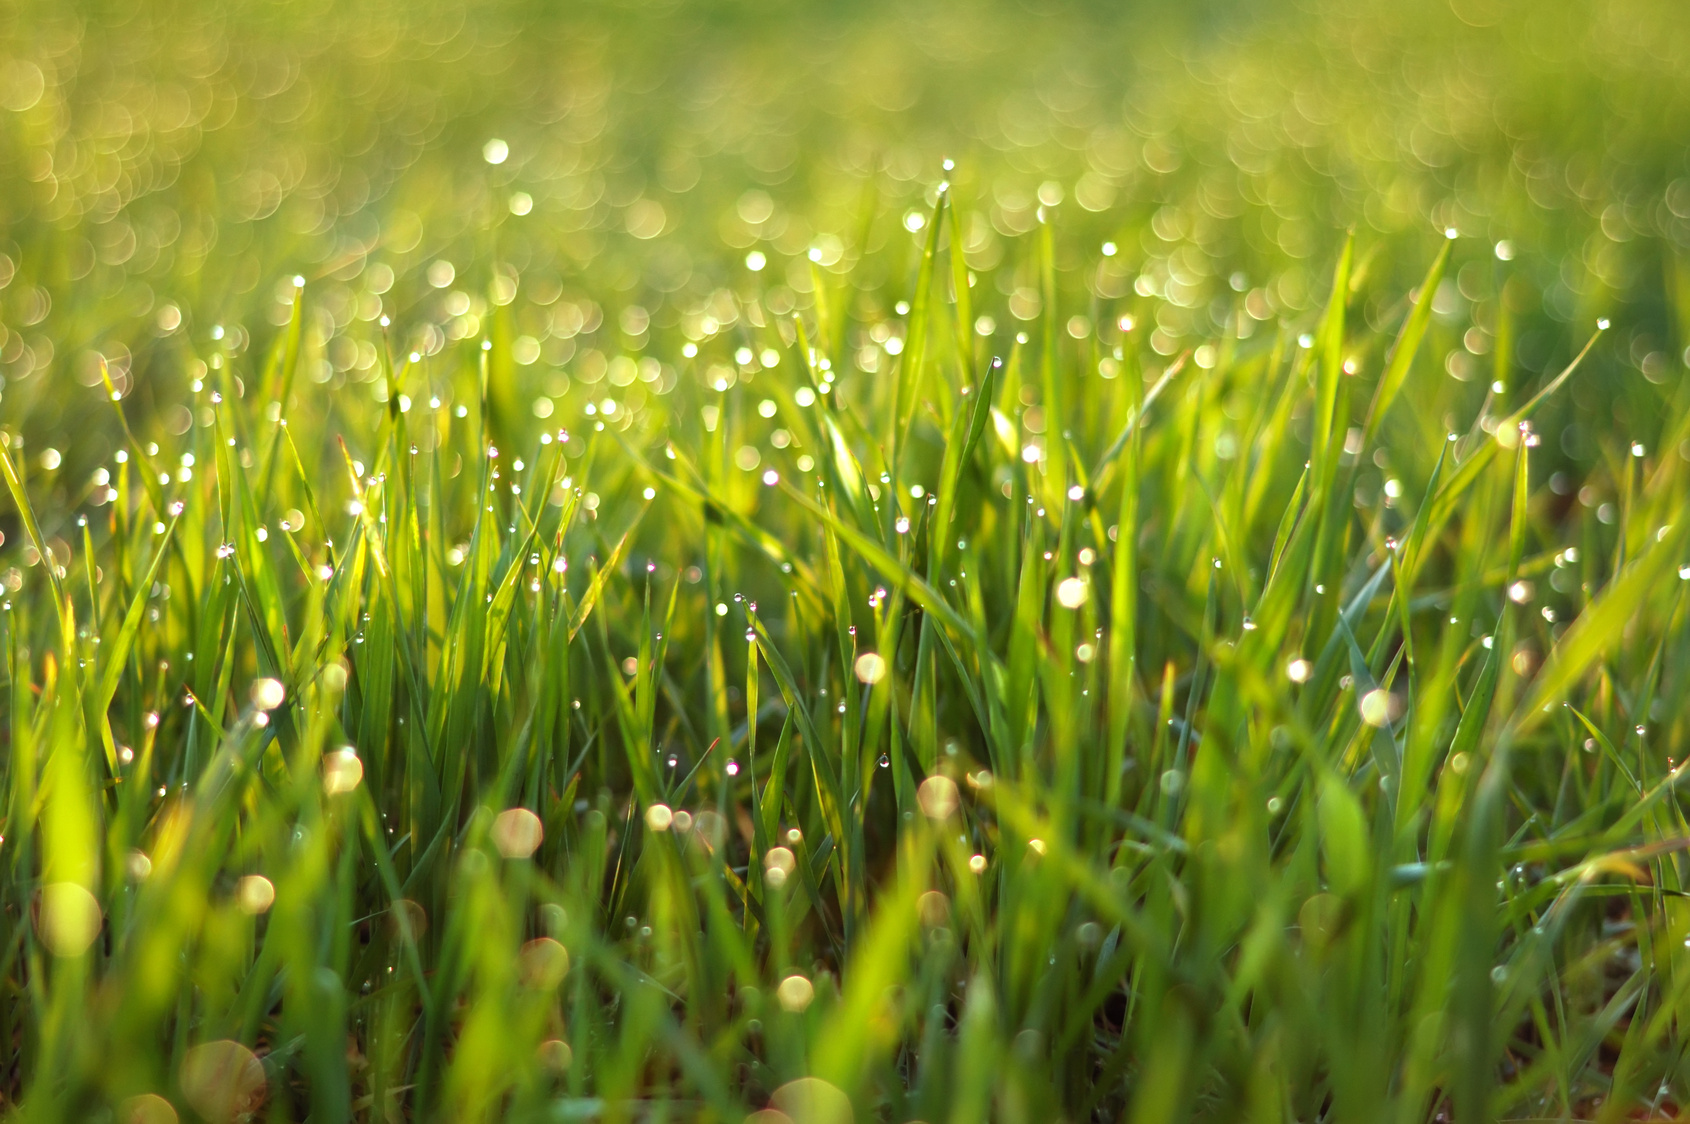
[590,178]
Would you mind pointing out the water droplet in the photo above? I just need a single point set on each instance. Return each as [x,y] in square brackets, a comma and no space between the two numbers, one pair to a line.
[885,762]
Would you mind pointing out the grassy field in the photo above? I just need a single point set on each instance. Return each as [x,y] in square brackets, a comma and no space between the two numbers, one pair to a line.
[680,561]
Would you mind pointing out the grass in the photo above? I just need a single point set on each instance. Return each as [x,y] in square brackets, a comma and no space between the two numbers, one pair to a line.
[912,641]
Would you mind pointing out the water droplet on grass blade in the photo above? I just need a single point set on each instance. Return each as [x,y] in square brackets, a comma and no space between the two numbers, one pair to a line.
[254,894]
[795,994]
[69,918]
[517,833]
[342,771]
[267,694]
[223,1081]
[938,797]
[1071,593]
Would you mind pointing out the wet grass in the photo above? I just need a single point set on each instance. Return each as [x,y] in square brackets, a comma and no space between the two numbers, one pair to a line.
[1009,654]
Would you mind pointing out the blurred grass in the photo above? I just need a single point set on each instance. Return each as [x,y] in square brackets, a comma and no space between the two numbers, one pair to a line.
[926,562]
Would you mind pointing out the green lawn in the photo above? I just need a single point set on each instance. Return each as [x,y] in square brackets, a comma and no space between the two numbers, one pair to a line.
[799,564]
